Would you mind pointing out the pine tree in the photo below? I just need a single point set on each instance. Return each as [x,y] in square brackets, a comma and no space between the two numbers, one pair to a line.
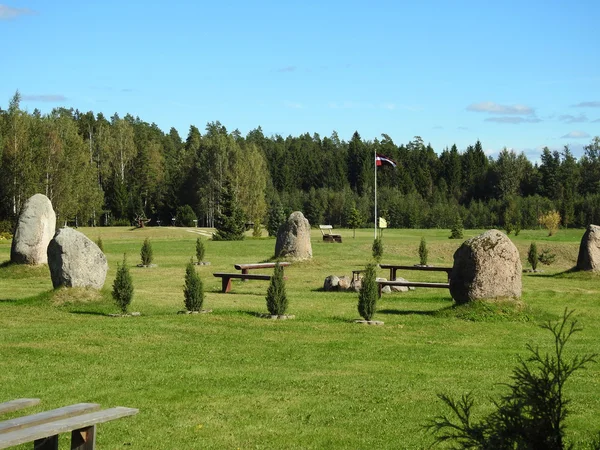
[276,218]
[230,219]
[200,250]
[277,301]
[146,253]
[423,252]
[377,249]
[457,228]
[193,290]
[367,297]
[532,256]
[122,291]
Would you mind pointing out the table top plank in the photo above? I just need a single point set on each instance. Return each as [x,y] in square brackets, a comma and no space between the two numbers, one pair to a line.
[47,416]
[426,268]
[260,265]
[20,403]
[44,430]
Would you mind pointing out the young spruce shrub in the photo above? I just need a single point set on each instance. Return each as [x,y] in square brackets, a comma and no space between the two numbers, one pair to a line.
[532,256]
[377,249]
[146,253]
[456,231]
[193,290]
[122,291]
[532,414]
[100,244]
[200,250]
[277,301]
[423,252]
[367,296]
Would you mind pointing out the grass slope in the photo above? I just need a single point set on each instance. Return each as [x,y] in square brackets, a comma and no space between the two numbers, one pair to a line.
[231,379]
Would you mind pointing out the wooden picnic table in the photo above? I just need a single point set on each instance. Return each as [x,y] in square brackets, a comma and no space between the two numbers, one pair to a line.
[43,428]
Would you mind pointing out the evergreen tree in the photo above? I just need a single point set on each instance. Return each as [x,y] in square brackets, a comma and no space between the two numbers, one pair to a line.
[377,249]
[276,218]
[367,296]
[354,219]
[532,256]
[457,228]
[193,291]
[122,291]
[423,252]
[230,219]
[146,253]
[200,250]
[100,244]
[277,302]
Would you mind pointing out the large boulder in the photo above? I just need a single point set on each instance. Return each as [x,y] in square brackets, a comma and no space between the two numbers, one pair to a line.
[589,250]
[487,266]
[293,238]
[75,260]
[35,229]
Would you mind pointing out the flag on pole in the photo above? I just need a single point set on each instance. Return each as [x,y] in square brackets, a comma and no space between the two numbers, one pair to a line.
[380,160]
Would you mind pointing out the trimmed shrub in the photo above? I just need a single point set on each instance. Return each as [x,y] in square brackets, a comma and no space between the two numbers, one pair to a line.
[532,256]
[423,252]
[277,301]
[193,290]
[146,253]
[200,250]
[122,291]
[377,249]
[368,294]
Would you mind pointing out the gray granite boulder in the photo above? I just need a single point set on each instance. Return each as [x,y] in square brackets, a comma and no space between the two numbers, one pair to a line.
[35,229]
[293,238]
[589,250]
[487,266]
[75,260]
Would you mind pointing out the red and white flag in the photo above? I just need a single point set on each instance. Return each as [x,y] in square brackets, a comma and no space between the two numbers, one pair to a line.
[380,160]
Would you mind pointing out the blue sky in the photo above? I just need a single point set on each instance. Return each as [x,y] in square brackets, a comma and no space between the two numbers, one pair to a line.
[516,74]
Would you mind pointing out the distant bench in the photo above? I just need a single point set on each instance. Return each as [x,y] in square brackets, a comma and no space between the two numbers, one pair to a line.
[43,428]
[328,236]
[394,268]
[245,275]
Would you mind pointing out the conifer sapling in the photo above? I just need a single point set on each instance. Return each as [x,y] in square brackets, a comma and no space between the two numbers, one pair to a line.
[122,291]
[200,250]
[423,252]
[193,290]
[277,301]
[146,253]
[367,296]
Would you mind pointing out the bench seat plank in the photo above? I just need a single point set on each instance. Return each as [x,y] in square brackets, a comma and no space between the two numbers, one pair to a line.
[47,416]
[248,276]
[260,265]
[54,428]
[20,403]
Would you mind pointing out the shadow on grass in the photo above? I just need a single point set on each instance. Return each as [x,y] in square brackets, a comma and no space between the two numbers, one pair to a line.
[6,264]
[398,312]
[89,313]
[254,314]
[571,271]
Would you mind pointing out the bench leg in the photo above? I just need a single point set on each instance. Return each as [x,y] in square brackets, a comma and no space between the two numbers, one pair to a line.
[84,439]
[244,272]
[380,288]
[225,284]
[49,443]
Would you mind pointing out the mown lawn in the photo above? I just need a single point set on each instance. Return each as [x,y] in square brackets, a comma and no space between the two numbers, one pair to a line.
[231,379]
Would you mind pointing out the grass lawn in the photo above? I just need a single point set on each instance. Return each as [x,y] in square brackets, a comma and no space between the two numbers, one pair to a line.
[231,379]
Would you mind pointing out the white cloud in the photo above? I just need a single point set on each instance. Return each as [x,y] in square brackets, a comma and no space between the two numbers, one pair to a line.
[513,120]
[44,98]
[293,105]
[576,135]
[568,118]
[8,12]
[587,105]
[596,121]
[287,69]
[495,108]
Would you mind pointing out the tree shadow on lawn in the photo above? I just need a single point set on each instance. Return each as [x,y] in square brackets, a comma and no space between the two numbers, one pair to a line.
[398,312]
[572,271]
[89,313]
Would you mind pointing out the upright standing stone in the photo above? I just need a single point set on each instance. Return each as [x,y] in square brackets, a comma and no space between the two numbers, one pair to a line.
[589,250]
[75,260]
[35,229]
[487,266]
[293,238]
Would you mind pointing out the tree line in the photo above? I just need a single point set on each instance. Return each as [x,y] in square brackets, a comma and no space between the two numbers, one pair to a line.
[105,171]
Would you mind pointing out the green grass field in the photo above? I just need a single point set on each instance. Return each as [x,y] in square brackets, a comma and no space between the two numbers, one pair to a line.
[234,380]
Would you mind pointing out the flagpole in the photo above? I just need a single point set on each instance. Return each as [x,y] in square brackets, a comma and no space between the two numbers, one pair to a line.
[375,161]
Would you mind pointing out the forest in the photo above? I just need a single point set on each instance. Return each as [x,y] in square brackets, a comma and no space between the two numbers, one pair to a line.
[103,171]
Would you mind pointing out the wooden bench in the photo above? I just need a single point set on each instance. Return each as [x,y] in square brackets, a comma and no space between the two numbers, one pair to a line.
[43,428]
[383,283]
[226,278]
[395,267]
[245,268]
[328,236]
